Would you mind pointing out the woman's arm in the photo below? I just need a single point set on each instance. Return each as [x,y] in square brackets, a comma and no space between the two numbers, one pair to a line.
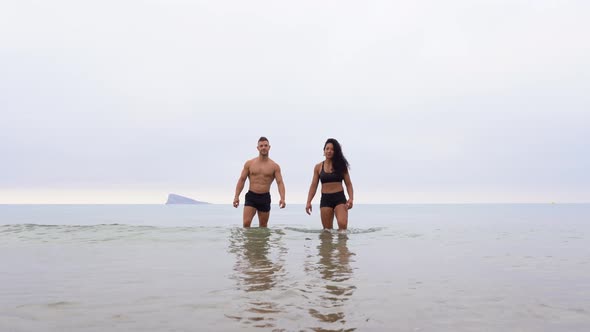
[349,190]
[313,187]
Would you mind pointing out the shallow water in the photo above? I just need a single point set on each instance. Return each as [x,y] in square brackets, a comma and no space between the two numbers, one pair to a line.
[398,268]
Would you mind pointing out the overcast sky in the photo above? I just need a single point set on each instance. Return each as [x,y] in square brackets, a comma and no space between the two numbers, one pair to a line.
[433,101]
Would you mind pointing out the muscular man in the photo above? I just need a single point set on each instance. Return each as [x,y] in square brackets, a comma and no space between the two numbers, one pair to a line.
[261,172]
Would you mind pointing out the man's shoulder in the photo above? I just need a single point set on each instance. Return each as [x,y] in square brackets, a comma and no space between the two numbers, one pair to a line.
[249,162]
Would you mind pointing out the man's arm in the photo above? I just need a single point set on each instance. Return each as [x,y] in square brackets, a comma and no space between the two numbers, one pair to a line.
[281,185]
[241,183]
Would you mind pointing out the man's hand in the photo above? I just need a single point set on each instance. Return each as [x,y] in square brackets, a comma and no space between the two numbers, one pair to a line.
[236,202]
[282,204]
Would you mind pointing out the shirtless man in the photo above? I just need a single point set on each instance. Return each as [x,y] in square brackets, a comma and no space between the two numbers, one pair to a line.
[261,171]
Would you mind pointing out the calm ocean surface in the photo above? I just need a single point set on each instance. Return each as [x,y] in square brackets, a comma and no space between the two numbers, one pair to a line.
[399,268]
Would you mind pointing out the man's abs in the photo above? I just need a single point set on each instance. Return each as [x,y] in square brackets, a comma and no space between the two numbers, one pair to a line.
[261,178]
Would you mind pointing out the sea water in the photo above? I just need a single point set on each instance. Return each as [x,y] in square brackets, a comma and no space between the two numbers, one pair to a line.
[193,267]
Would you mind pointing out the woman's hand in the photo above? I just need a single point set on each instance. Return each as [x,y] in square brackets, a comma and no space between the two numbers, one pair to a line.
[349,204]
[308,208]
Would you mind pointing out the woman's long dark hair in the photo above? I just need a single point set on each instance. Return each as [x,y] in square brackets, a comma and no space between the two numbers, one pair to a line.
[339,162]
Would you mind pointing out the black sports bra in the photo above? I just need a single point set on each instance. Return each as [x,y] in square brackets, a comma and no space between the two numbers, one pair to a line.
[329,177]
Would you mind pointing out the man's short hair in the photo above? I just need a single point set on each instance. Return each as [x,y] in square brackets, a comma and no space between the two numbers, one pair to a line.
[262,139]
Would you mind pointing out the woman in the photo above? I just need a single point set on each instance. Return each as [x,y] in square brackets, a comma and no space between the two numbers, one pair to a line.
[331,172]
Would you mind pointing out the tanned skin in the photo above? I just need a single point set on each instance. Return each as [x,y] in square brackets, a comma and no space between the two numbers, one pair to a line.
[261,172]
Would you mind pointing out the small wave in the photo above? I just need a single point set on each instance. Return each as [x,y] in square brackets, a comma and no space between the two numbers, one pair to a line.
[348,231]
[101,233]
[16,227]
[60,304]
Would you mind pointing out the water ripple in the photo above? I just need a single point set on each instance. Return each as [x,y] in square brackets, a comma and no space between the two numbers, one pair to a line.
[98,233]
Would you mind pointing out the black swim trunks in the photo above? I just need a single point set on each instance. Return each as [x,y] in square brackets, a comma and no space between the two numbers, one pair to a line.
[260,202]
[333,199]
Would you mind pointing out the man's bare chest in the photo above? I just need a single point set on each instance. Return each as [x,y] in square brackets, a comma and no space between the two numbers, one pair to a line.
[261,171]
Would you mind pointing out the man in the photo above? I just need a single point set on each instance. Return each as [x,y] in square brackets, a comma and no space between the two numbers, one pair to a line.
[261,172]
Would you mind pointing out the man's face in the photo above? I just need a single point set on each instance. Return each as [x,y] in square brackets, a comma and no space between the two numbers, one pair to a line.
[263,148]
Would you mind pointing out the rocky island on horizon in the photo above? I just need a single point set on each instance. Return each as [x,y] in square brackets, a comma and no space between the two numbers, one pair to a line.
[178,199]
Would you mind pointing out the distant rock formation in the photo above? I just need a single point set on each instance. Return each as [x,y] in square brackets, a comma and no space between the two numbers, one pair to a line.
[177,199]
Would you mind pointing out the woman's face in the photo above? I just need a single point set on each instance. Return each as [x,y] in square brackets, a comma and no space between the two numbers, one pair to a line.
[329,151]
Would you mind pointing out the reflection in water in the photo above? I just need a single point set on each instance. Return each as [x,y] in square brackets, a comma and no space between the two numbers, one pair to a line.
[257,271]
[335,271]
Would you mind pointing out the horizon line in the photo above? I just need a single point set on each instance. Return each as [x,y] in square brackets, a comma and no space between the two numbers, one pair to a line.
[398,203]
